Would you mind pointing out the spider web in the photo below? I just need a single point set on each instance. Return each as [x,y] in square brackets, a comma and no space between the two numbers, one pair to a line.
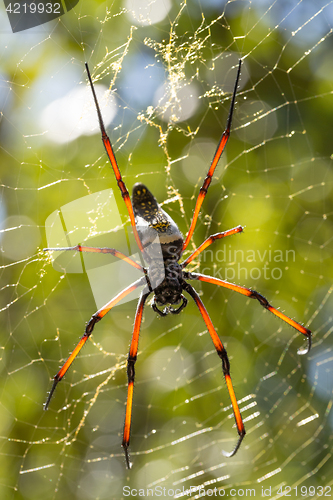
[170,68]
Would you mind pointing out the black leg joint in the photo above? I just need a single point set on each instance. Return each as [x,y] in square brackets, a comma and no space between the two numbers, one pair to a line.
[91,323]
[130,368]
[263,301]
[225,361]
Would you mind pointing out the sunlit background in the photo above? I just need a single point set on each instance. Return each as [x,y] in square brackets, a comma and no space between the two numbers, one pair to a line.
[164,72]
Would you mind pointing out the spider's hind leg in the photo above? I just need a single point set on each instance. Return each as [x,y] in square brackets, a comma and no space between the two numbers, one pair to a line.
[114,164]
[218,153]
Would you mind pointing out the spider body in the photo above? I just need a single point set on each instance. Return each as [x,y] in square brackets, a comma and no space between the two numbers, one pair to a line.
[162,248]
[162,245]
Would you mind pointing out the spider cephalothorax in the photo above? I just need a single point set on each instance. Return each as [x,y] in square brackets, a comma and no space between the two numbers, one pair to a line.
[170,290]
[161,244]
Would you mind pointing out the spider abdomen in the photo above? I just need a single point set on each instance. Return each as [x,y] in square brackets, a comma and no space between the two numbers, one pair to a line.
[155,226]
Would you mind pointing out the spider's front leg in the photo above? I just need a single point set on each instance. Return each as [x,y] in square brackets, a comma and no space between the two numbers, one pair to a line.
[131,360]
[220,349]
[88,330]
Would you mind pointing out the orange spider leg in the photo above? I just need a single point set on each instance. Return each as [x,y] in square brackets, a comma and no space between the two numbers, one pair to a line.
[132,355]
[209,241]
[113,161]
[220,349]
[113,251]
[263,301]
[88,330]
[217,156]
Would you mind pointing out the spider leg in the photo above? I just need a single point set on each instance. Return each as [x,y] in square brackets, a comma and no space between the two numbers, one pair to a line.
[132,355]
[114,164]
[88,330]
[217,156]
[209,241]
[113,251]
[263,301]
[225,366]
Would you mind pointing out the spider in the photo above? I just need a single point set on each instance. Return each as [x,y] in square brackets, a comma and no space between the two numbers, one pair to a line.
[166,278]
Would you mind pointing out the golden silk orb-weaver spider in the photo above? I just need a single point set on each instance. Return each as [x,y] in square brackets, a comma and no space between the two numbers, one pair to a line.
[166,278]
